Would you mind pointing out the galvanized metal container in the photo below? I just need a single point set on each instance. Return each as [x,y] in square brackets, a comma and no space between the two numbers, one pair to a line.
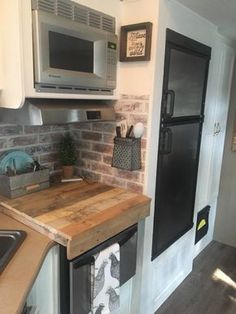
[21,184]
[127,153]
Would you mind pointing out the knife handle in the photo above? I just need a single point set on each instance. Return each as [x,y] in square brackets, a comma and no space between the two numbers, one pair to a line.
[129,131]
[118,131]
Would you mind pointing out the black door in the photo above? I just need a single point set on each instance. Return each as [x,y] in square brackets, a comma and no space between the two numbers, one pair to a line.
[185,77]
[182,113]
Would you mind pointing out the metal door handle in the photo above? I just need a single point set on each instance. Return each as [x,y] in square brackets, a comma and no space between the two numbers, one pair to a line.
[166,141]
[168,113]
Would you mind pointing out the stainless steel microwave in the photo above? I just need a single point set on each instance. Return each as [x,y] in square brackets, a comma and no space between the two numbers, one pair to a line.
[70,56]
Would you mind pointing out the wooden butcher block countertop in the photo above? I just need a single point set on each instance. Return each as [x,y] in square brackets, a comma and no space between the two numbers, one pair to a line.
[79,215]
[18,277]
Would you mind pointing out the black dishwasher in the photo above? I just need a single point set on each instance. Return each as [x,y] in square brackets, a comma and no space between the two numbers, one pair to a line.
[75,275]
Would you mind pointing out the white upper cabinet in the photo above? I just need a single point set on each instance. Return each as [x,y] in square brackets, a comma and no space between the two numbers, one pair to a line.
[16,57]
[11,46]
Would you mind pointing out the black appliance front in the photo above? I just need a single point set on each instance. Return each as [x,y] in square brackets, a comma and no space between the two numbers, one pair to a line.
[202,224]
[75,275]
[182,114]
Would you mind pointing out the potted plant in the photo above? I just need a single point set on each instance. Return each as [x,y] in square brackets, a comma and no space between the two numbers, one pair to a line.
[67,155]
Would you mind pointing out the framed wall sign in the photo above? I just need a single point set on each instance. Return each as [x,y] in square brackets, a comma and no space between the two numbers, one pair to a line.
[135,42]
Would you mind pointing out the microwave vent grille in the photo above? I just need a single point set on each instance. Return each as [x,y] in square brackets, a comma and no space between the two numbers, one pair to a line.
[108,24]
[45,5]
[64,9]
[94,20]
[80,15]
[76,12]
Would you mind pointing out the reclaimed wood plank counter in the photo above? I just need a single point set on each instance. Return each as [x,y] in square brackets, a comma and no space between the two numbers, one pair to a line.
[78,215]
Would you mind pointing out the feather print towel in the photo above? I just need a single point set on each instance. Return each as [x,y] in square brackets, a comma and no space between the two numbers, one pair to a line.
[105,278]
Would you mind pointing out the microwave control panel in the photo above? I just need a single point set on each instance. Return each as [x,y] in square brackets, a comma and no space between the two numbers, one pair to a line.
[111,63]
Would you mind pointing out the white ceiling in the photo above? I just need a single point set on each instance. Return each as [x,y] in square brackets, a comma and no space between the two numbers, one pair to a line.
[220,12]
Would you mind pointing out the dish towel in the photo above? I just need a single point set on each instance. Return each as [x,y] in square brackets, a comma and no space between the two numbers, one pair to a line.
[105,281]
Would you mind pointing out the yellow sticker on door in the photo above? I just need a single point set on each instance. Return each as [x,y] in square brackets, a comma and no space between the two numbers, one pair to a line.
[201,224]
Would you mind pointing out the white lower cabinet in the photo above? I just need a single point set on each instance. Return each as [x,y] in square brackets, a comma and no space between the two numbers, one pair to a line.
[44,296]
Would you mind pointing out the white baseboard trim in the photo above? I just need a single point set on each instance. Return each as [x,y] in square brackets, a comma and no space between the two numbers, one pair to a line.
[201,245]
[158,301]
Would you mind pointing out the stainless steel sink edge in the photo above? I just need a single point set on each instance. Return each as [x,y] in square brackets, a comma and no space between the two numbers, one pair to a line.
[9,248]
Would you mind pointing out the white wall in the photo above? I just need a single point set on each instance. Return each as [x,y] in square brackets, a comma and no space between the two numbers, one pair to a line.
[137,78]
[160,277]
[225,230]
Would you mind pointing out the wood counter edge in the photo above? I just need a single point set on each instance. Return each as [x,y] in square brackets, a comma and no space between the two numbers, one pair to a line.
[118,220]
[28,221]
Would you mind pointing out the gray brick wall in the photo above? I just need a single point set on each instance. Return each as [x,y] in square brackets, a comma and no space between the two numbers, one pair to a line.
[94,143]
[41,142]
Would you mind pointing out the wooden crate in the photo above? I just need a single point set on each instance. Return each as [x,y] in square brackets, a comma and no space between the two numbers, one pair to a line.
[25,183]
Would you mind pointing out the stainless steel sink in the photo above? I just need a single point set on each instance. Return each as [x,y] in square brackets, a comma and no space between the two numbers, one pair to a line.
[10,240]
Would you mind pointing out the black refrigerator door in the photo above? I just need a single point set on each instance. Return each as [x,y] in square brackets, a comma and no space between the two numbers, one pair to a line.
[184,85]
[176,183]
[182,115]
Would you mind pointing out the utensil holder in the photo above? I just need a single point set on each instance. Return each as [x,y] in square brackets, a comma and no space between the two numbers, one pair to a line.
[127,153]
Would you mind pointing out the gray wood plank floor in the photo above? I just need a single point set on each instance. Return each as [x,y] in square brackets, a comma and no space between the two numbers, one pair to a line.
[210,288]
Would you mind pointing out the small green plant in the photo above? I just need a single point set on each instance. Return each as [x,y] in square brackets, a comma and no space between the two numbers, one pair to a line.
[67,151]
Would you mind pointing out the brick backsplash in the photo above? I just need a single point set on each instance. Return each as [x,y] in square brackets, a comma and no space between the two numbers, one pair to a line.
[94,143]
[41,142]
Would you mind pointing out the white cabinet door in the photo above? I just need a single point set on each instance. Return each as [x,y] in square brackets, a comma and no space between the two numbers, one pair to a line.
[44,296]
[223,89]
